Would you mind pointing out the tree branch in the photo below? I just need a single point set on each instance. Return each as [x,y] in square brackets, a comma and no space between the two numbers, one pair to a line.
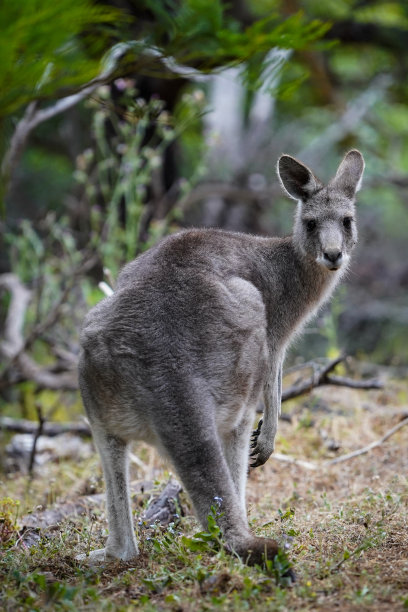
[33,117]
[14,346]
[20,297]
[366,449]
[49,429]
[324,464]
[321,377]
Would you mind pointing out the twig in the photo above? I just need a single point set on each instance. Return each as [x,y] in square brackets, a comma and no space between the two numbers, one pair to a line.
[342,458]
[15,346]
[20,298]
[38,433]
[49,429]
[321,377]
[369,447]
[294,461]
[105,288]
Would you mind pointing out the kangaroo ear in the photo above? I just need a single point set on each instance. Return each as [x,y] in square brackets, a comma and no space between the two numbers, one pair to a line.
[296,179]
[349,174]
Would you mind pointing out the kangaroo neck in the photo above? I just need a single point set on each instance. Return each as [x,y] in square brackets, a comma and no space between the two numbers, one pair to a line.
[293,290]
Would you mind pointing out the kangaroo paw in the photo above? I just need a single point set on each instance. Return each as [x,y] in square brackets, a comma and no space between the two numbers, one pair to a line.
[255,434]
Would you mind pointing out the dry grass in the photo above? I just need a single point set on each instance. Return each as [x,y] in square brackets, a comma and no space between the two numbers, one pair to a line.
[346,526]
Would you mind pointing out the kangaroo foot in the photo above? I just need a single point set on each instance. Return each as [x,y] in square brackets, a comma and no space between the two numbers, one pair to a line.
[262,446]
[103,555]
[257,550]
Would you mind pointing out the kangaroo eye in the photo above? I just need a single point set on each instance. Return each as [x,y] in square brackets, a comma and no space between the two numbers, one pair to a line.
[311,225]
[347,222]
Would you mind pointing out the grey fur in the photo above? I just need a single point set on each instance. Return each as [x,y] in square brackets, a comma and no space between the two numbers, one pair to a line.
[194,334]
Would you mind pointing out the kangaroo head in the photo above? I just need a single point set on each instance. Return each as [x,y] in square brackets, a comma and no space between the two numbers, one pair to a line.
[325,228]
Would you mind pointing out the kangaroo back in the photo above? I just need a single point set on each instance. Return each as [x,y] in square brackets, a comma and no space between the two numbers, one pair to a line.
[195,335]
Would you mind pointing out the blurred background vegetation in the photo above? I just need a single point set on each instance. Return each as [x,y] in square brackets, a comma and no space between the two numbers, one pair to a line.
[124,120]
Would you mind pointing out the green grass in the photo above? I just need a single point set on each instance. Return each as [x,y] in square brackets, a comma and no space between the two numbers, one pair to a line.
[344,528]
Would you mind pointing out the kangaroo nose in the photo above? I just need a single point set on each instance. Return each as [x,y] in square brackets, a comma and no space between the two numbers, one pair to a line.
[333,257]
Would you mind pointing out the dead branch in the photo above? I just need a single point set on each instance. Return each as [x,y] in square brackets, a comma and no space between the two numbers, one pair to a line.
[49,428]
[15,346]
[324,464]
[321,377]
[369,447]
[44,378]
[38,433]
[20,297]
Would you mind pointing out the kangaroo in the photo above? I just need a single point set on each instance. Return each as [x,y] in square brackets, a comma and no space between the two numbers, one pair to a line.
[192,338]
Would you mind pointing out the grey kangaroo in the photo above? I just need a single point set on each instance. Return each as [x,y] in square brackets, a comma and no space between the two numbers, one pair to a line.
[195,335]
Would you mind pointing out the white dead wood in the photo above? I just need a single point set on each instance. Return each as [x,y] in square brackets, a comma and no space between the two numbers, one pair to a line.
[324,464]
[369,447]
[19,299]
[104,287]
[308,465]
[14,347]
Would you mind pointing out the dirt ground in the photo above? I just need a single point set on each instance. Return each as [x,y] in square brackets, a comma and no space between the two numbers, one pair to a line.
[343,525]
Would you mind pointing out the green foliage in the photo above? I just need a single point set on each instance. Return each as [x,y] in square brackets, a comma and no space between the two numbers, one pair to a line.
[204,35]
[47,47]
[279,567]
[206,540]
[48,261]
[117,173]
[383,13]
[8,520]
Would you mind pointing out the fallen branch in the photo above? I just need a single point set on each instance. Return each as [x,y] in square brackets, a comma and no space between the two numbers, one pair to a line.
[294,461]
[361,451]
[321,377]
[369,447]
[49,429]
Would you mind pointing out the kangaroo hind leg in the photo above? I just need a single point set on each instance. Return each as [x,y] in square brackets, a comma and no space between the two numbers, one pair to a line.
[121,542]
[194,446]
[235,444]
